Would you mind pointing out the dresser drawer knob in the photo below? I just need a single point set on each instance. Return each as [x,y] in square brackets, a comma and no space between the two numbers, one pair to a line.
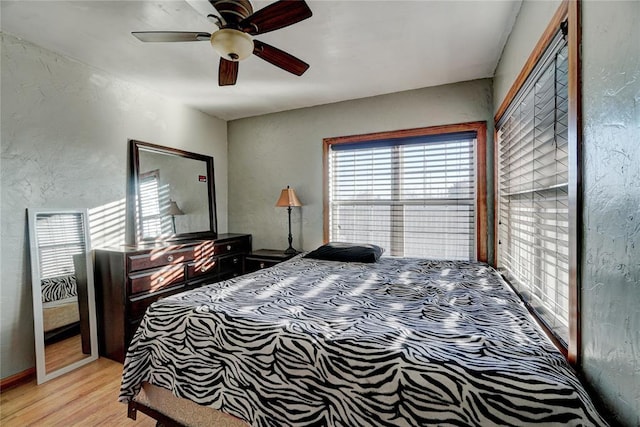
[170,258]
[161,279]
[228,247]
[203,268]
[262,265]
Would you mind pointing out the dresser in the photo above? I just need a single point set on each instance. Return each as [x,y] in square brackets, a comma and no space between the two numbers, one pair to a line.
[129,279]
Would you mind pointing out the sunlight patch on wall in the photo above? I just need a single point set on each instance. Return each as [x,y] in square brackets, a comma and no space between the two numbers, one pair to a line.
[107,224]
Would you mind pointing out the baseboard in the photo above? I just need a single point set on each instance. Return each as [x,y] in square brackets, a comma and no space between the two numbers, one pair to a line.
[17,379]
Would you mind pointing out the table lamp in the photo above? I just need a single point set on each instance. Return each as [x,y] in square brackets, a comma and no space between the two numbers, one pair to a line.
[288,199]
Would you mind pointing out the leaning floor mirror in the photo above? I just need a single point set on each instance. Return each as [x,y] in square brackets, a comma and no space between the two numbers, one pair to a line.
[64,312]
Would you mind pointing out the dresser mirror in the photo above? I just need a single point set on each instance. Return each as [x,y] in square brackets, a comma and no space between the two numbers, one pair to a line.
[170,196]
[64,310]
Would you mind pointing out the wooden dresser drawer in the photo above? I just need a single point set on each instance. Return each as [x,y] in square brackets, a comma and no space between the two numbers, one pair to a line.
[264,258]
[160,258]
[154,280]
[230,266]
[232,246]
[258,264]
[202,267]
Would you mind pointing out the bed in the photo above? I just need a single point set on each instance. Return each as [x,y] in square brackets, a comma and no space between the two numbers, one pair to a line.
[65,310]
[60,312]
[397,342]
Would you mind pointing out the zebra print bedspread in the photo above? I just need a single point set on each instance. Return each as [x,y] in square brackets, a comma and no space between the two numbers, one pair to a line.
[58,288]
[401,342]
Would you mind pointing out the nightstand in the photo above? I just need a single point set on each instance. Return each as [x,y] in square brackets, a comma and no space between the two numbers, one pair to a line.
[264,258]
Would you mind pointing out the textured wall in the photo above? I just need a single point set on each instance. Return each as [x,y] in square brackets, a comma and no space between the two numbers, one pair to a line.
[64,145]
[611,249]
[267,153]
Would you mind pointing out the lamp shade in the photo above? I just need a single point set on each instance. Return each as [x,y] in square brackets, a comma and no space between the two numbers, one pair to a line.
[288,198]
[174,209]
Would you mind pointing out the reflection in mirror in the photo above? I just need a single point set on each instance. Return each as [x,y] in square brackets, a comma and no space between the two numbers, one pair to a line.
[63,293]
[171,194]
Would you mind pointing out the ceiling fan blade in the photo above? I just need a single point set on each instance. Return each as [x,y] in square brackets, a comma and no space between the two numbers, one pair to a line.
[275,16]
[227,72]
[171,36]
[279,58]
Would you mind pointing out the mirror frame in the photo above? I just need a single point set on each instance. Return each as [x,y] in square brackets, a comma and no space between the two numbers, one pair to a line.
[38,321]
[133,209]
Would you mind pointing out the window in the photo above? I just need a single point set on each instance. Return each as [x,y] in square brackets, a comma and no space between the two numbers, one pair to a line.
[151,220]
[535,158]
[60,237]
[413,194]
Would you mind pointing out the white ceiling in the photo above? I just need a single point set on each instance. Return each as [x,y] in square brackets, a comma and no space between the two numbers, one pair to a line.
[356,49]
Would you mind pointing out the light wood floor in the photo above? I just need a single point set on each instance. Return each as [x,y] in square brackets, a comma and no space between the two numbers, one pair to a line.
[63,353]
[85,397]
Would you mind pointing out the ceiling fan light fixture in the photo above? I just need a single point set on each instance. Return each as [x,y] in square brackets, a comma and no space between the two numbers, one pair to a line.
[232,45]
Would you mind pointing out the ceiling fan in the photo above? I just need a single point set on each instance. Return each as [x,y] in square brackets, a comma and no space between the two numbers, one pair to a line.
[233,40]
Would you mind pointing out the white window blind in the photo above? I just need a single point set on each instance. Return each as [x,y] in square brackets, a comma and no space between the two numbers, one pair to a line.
[150,203]
[60,237]
[412,196]
[533,226]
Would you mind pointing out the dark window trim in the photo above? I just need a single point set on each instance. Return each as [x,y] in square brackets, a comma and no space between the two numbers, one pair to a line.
[569,10]
[480,128]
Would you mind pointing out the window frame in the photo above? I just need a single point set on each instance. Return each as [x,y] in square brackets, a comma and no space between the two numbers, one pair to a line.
[480,128]
[569,10]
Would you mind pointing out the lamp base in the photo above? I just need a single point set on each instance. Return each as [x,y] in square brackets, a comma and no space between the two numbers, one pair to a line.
[291,251]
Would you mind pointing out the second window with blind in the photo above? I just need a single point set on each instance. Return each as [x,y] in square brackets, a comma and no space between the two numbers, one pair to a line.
[414,193]
[533,190]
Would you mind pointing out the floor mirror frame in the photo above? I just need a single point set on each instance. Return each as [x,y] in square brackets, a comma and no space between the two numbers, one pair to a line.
[38,320]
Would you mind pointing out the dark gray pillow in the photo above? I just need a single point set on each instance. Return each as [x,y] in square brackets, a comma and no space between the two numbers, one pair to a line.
[347,252]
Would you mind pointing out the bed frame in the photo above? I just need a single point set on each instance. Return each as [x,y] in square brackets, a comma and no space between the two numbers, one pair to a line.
[171,411]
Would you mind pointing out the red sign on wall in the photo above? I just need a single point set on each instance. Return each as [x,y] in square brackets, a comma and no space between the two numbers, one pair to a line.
[202,178]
